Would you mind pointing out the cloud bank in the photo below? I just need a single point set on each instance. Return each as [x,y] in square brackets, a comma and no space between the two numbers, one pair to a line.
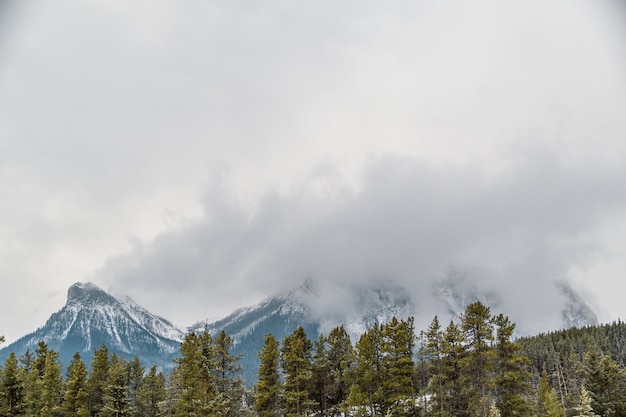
[338,140]
[514,233]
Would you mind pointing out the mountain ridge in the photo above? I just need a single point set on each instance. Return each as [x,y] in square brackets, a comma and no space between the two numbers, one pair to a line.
[92,317]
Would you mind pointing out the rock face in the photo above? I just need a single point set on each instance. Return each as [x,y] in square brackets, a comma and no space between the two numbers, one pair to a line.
[92,317]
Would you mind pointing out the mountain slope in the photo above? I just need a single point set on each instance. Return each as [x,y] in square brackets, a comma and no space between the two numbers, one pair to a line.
[92,317]
[282,314]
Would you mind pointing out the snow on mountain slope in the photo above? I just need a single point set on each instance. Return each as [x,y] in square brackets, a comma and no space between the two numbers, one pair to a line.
[92,317]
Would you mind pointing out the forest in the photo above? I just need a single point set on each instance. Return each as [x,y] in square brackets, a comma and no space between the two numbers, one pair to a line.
[473,367]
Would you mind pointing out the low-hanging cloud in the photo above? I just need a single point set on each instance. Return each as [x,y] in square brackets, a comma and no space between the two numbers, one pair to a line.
[409,222]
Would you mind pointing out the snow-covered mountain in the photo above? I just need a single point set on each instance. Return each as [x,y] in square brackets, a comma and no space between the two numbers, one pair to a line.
[282,314]
[92,317]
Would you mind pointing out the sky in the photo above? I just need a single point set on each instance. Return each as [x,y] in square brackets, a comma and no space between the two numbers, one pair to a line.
[200,156]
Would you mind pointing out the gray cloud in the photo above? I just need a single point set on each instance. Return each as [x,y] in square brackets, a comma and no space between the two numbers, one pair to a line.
[115,117]
[514,234]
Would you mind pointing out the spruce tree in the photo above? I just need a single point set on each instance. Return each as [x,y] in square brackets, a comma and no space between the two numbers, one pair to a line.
[151,394]
[75,393]
[341,358]
[268,387]
[398,365]
[369,372]
[477,365]
[34,380]
[116,390]
[512,380]
[296,365]
[136,372]
[97,380]
[320,376]
[548,404]
[51,386]
[12,395]
[454,397]
[431,350]
[585,409]
[604,380]
[228,374]
[194,391]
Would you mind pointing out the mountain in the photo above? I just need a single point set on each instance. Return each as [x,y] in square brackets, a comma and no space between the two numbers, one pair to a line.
[282,314]
[575,312]
[92,317]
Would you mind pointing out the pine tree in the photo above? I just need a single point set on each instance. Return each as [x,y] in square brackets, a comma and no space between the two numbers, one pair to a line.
[548,404]
[34,380]
[431,349]
[398,366]
[193,380]
[477,365]
[296,364]
[116,390]
[12,395]
[512,381]
[268,388]
[369,372]
[51,386]
[151,394]
[454,400]
[97,380]
[75,393]
[185,379]
[604,380]
[320,376]
[341,358]
[136,373]
[227,373]
[585,409]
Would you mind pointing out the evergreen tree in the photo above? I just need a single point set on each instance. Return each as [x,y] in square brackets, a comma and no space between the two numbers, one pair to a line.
[12,395]
[34,380]
[268,388]
[512,381]
[151,394]
[368,371]
[320,376]
[186,393]
[604,380]
[51,386]
[136,373]
[477,365]
[116,390]
[548,404]
[341,358]
[227,374]
[585,409]
[296,364]
[75,402]
[454,400]
[193,380]
[398,366]
[97,380]
[431,349]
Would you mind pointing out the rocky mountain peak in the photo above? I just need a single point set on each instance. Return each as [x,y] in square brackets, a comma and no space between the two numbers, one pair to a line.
[86,293]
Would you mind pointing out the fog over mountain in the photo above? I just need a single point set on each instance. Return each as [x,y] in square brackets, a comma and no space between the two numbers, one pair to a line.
[514,235]
[202,156]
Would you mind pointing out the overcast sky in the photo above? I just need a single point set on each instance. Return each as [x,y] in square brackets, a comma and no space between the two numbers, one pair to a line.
[199,156]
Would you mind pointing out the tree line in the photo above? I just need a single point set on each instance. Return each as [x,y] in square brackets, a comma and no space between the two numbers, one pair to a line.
[469,368]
